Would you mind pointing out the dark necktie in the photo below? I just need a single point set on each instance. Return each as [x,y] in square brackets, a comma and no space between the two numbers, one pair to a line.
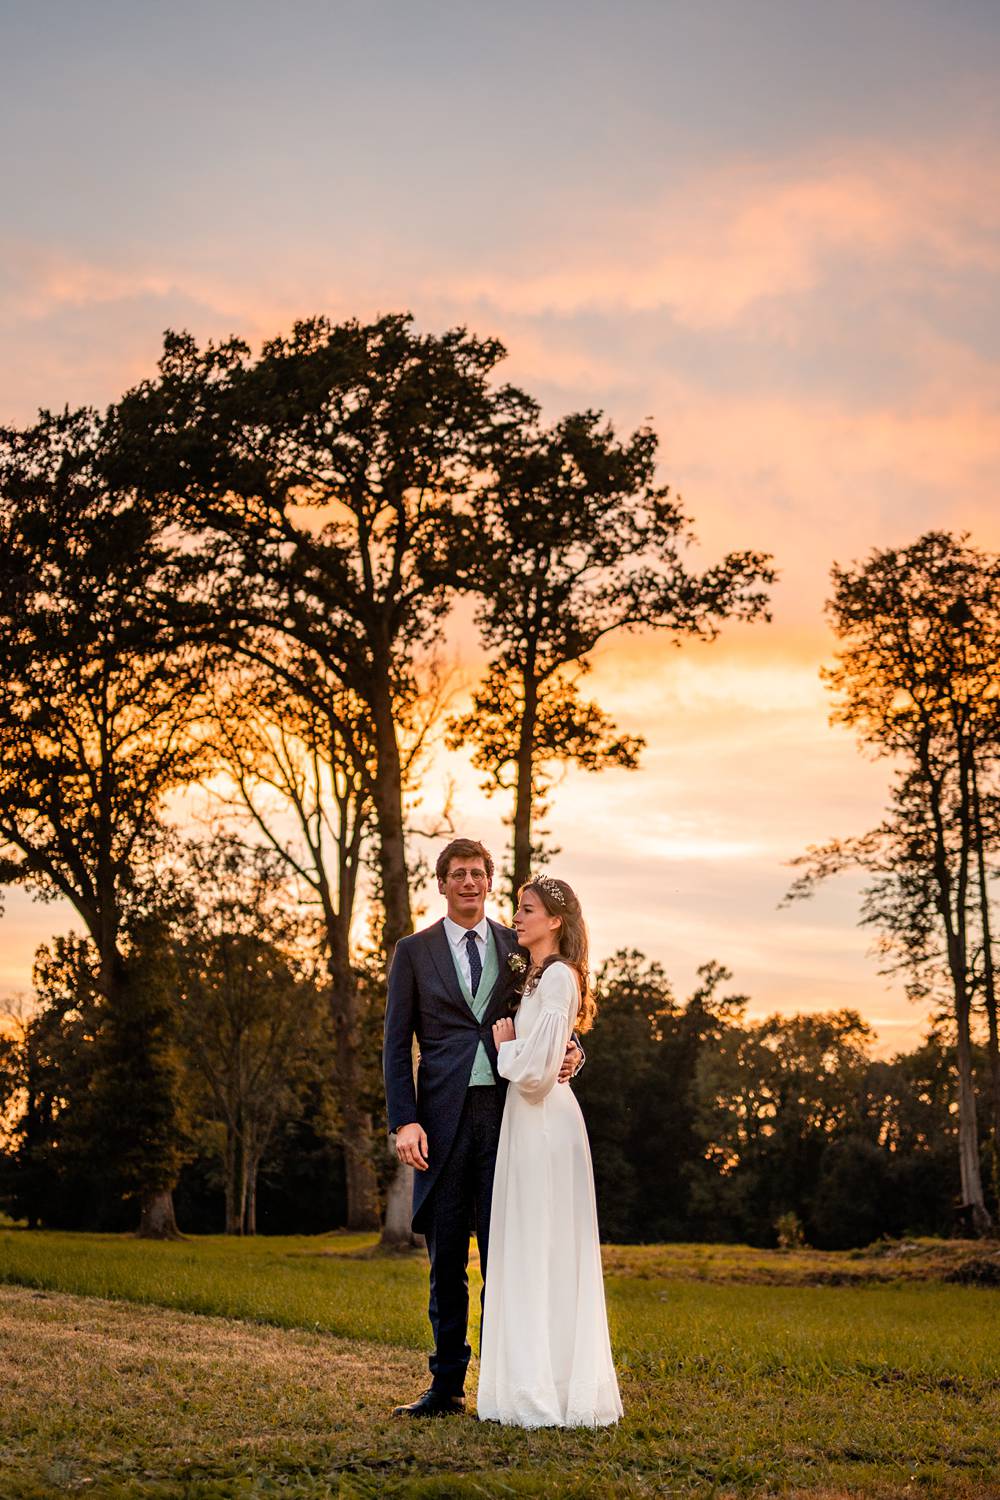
[475,962]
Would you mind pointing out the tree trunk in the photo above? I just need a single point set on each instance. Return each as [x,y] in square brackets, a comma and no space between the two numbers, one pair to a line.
[250,1219]
[233,1222]
[968,1143]
[32,1127]
[521,868]
[388,799]
[949,891]
[137,1091]
[396,1230]
[362,1182]
[973,1202]
[361,1178]
[156,1219]
[242,1179]
[989,977]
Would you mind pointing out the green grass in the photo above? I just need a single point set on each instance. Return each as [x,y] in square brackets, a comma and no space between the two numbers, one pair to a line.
[733,1384]
[302,1282]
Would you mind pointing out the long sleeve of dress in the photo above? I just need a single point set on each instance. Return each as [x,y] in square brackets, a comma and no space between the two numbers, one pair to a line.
[531,1063]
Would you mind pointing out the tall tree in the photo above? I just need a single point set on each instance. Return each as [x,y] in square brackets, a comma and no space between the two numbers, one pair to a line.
[285,755]
[284,752]
[917,677]
[576,541]
[249,1004]
[976,623]
[99,714]
[329,481]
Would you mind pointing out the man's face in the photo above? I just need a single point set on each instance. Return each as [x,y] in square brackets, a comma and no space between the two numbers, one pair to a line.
[466,887]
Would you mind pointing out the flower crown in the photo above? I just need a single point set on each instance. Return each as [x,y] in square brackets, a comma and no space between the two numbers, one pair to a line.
[551,887]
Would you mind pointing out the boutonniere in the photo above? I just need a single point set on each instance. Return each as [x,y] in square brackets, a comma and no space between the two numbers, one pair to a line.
[517,965]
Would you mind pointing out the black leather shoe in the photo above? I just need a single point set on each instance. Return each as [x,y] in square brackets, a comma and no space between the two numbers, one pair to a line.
[432,1403]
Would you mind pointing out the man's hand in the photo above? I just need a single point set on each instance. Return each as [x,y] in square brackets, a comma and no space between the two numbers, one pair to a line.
[411,1146]
[570,1062]
[503,1031]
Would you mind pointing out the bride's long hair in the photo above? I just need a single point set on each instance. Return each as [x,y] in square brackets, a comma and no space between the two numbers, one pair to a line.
[560,900]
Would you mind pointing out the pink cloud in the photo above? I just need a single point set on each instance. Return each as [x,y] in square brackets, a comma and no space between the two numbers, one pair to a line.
[709,248]
[716,246]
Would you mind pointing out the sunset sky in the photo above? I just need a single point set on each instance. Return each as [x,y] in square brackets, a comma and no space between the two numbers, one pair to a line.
[771,229]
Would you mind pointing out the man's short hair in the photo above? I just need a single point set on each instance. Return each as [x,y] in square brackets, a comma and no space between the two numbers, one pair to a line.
[462,849]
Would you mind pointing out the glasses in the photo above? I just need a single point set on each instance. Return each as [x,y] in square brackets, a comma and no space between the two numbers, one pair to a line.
[479,876]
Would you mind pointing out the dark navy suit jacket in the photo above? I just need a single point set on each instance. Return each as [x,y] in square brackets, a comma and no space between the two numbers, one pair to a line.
[426,1002]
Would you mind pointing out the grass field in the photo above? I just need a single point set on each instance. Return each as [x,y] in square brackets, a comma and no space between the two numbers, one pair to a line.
[214,1367]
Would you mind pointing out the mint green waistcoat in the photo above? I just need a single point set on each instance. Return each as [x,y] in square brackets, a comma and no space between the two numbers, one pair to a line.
[482,1072]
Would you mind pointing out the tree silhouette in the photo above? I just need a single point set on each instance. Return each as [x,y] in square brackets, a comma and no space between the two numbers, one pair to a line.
[575,542]
[329,483]
[285,754]
[917,678]
[326,481]
[50,1059]
[249,1003]
[100,706]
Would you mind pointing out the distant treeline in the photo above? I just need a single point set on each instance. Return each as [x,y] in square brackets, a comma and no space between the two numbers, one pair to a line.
[707,1126]
[703,1125]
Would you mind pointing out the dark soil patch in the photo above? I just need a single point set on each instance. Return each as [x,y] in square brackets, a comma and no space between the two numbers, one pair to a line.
[981,1270]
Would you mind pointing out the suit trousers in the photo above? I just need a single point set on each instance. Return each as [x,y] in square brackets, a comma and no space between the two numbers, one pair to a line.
[460,1201]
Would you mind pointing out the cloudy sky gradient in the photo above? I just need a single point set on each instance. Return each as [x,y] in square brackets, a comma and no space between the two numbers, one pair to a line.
[772,229]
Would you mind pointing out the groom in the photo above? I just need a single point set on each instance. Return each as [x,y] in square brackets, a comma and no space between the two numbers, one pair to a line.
[447,985]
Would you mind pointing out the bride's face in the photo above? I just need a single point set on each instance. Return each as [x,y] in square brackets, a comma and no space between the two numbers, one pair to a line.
[533,924]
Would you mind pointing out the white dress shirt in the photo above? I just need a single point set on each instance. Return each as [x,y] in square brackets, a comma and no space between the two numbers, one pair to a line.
[457,936]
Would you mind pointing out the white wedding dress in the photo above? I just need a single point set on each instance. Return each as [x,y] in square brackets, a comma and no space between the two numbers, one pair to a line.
[545,1357]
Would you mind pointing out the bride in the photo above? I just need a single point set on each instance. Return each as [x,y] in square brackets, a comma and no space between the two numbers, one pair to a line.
[545,1355]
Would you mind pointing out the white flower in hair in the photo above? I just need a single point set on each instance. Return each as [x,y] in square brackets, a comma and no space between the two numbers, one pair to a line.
[551,887]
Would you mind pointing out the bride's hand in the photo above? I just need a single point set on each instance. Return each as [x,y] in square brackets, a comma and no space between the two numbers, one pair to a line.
[572,1062]
[503,1031]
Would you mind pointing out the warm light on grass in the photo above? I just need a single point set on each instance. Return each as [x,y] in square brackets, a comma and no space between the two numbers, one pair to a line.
[738,1376]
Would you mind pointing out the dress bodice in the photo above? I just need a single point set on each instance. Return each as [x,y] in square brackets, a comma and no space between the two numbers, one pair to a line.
[542,1029]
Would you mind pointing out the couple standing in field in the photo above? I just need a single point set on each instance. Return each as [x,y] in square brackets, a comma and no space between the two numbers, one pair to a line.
[498,1143]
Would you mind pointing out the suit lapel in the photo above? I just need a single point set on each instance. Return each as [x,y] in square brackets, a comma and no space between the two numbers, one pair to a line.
[506,943]
[437,941]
